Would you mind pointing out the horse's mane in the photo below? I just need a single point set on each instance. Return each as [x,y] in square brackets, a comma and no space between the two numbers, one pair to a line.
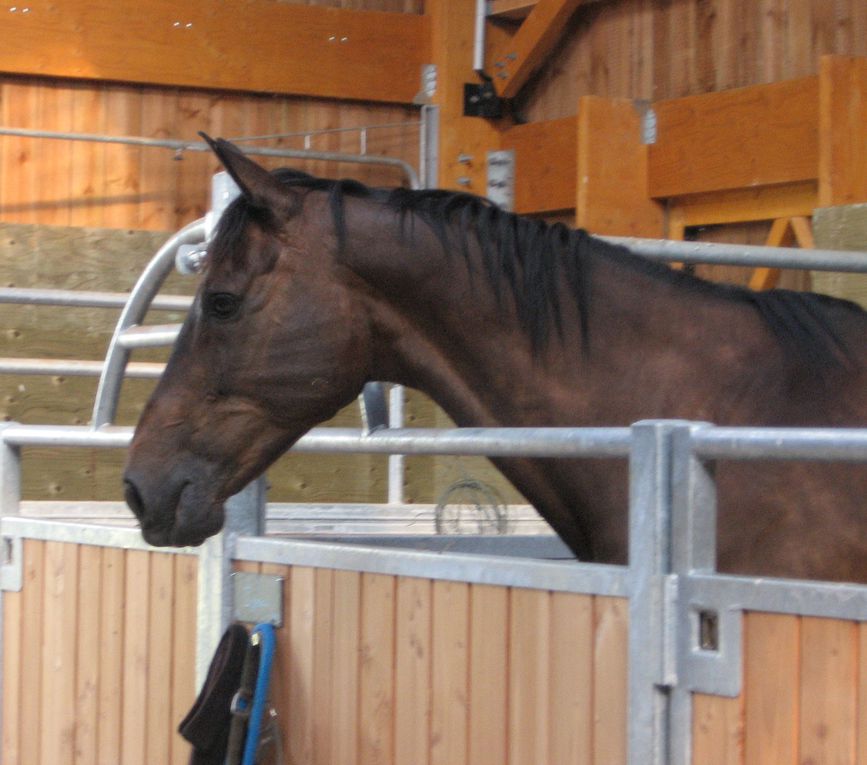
[528,257]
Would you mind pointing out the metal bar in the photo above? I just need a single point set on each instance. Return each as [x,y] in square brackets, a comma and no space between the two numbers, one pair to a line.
[87,299]
[76,368]
[323,131]
[824,444]
[479,36]
[143,293]
[149,336]
[181,146]
[564,576]
[497,442]
[744,255]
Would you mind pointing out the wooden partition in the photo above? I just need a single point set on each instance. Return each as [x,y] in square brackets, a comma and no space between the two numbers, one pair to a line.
[804,697]
[98,656]
[374,668]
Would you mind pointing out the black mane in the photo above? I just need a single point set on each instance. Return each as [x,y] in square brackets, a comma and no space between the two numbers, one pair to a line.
[528,257]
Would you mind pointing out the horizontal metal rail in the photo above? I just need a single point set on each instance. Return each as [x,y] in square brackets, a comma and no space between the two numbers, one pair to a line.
[87,299]
[824,444]
[149,336]
[744,255]
[492,442]
[76,368]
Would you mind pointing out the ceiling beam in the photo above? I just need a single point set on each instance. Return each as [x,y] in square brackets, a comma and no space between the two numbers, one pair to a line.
[514,60]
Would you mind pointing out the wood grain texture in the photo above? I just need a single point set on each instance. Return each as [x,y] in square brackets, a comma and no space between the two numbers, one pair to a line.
[331,52]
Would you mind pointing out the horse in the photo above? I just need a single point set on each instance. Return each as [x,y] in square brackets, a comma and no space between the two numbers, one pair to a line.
[314,287]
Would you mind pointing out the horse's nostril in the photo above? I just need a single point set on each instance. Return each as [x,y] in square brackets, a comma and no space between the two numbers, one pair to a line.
[133,498]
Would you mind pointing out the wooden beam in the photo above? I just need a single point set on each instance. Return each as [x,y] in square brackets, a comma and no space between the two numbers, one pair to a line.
[745,205]
[842,130]
[544,164]
[611,183]
[510,10]
[254,46]
[514,60]
[742,138]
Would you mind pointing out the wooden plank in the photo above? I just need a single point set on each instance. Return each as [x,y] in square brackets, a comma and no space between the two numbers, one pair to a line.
[376,712]
[323,685]
[510,9]
[755,136]
[827,700]
[33,626]
[183,690]
[611,183]
[744,205]
[300,50]
[112,628]
[488,678]
[771,654]
[135,658]
[345,669]
[413,671]
[861,722]
[87,660]
[515,60]
[13,625]
[528,676]
[160,725]
[611,624]
[300,652]
[59,653]
[842,130]
[544,165]
[570,699]
[717,730]
[450,650]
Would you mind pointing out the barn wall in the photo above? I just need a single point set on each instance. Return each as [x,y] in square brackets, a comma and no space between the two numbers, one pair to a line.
[657,49]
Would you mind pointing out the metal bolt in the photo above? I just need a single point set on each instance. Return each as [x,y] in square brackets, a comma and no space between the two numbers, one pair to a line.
[465,159]
[463,181]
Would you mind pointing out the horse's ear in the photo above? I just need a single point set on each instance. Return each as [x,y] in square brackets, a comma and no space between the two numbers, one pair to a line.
[260,188]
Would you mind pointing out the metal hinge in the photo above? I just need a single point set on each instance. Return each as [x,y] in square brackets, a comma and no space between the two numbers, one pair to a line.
[258,598]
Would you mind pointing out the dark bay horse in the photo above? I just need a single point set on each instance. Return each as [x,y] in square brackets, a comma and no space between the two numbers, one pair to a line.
[314,287]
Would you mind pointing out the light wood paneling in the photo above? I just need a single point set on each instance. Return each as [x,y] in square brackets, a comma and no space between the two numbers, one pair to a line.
[423,671]
[88,659]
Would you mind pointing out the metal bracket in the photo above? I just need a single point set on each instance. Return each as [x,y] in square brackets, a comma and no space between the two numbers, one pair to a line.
[709,643]
[501,178]
[12,568]
[481,100]
[258,598]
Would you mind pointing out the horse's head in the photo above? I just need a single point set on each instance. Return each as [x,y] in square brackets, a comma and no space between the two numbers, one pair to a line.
[276,342]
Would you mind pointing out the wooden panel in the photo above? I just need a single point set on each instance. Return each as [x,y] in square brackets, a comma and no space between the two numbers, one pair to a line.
[772,645]
[305,50]
[376,713]
[111,640]
[300,651]
[741,138]
[717,730]
[843,130]
[450,652]
[160,723]
[32,626]
[745,205]
[828,682]
[516,59]
[610,672]
[544,165]
[489,675]
[12,677]
[412,671]
[183,690]
[612,195]
[135,658]
[345,670]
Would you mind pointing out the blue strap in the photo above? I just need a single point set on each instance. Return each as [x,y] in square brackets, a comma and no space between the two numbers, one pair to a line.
[265,633]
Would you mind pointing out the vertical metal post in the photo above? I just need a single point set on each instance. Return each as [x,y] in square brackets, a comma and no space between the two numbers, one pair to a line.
[10,476]
[649,613]
[693,518]
[245,516]
[396,401]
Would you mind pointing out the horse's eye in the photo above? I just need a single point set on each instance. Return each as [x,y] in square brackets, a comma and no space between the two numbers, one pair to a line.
[222,305]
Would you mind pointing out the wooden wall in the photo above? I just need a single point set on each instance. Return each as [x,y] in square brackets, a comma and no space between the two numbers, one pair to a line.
[68,183]
[98,656]
[657,49]
[392,670]
[805,686]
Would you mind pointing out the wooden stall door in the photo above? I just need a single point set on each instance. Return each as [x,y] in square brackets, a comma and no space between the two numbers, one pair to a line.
[98,656]
[374,668]
[804,697]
